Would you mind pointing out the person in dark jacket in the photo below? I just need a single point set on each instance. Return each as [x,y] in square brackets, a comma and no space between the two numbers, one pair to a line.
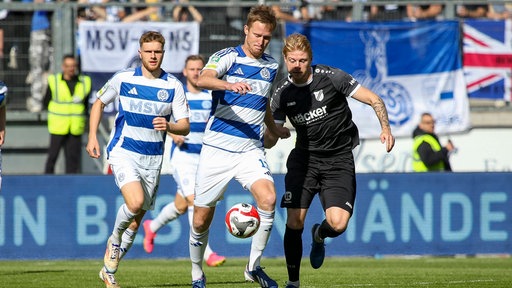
[428,153]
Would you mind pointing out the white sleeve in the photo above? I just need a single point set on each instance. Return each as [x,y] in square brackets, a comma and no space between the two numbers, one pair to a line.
[180,107]
[221,64]
[108,93]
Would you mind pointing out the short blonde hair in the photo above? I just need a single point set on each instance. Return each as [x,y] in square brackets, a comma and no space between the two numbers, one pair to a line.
[297,42]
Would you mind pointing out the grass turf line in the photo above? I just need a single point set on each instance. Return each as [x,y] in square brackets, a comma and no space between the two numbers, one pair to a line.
[336,272]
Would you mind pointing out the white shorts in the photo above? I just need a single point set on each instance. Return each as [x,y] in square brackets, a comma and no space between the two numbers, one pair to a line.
[217,167]
[184,168]
[126,169]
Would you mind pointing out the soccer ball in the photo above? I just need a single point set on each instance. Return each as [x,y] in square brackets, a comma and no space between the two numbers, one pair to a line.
[242,220]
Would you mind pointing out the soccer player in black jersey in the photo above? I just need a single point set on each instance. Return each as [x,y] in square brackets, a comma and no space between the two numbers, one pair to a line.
[314,98]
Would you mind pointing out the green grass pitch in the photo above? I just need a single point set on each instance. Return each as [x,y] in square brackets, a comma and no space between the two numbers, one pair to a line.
[429,272]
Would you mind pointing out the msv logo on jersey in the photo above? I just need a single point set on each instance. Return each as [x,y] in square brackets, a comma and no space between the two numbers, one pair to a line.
[146,107]
[162,95]
[265,74]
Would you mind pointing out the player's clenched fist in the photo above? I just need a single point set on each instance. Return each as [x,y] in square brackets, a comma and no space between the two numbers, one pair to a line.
[160,123]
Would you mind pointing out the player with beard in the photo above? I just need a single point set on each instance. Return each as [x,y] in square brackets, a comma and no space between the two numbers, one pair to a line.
[148,97]
[240,79]
[314,98]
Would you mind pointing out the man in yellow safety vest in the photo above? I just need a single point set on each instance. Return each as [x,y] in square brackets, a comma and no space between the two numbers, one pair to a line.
[428,154]
[67,100]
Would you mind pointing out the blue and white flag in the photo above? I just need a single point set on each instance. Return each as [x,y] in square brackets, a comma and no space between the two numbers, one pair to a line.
[415,67]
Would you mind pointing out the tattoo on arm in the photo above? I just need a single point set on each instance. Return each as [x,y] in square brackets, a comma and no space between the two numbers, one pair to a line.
[382,113]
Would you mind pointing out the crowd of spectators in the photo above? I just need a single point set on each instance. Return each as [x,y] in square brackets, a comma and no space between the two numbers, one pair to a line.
[101,10]
[291,10]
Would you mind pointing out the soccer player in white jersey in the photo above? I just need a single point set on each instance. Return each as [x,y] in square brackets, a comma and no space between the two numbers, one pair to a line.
[240,79]
[148,97]
[184,160]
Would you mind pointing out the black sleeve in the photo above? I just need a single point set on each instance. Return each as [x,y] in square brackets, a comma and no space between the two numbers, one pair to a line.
[47,98]
[431,157]
[86,102]
[343,82]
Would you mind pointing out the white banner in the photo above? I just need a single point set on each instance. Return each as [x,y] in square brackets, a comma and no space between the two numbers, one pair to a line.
[475,152]
[110,47]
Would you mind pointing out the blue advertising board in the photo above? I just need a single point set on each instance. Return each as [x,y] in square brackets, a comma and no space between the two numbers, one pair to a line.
[70,217]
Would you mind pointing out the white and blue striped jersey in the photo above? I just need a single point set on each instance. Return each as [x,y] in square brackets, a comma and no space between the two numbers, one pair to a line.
[140,101]
[200,105]
[237,122]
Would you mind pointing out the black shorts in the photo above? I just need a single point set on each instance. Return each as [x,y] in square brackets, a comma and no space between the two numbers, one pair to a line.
[333,178]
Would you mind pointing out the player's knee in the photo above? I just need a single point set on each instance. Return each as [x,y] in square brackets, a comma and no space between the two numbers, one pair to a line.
[266,202]
[335,230]
[181,209]
[134,208]
[295,223]
[201,226]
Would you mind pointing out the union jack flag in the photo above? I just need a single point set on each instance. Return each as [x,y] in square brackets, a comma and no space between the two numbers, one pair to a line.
[488,59]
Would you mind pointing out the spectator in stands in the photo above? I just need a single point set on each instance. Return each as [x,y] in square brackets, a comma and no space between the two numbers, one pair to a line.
[428,154]
[293,13]
[188,13]
[39,57]
[366,12]
[424,12]
[95,12]
[118,13]
[473,11]
[67,98]
[499,11]
[141,14]
[3,101]
[156,14]
[387,12]
[334,12]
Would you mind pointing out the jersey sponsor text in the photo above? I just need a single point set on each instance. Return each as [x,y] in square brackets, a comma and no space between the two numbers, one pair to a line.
[310,116]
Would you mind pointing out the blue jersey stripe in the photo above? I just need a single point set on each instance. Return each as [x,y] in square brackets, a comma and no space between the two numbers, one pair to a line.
[139,120]
[118,124]
[145,92]
[239,129]
[191,148]
[252,101]
[252,72]
[199,104]
[143,147]
[197,127]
